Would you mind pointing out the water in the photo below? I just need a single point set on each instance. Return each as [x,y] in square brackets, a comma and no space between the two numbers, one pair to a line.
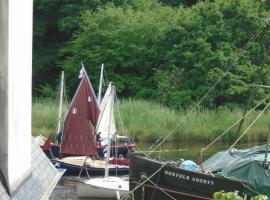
[66,189]
[188,151]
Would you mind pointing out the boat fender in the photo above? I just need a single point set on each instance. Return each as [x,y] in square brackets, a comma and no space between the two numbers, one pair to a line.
[117,195]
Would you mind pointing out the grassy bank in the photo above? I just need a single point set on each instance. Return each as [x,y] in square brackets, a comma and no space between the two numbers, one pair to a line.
[147,121]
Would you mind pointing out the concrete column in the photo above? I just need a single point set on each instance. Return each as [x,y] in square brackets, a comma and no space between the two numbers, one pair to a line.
[15,91]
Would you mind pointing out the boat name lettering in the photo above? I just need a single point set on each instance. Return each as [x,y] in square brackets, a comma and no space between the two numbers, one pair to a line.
[177,175]
[189,178]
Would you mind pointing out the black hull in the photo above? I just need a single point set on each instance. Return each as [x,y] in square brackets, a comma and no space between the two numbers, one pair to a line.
[173,181]
[115,150]
[75,170]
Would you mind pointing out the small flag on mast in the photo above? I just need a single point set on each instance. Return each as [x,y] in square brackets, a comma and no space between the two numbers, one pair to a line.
[82,71]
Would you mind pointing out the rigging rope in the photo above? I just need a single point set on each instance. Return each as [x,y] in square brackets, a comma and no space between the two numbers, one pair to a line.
[239,138]
[250,98]
[164,150]
[226,131]
[122,123]
[222,75]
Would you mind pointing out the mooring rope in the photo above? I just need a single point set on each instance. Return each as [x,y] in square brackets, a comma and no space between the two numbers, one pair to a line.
[147,179]
[166,193]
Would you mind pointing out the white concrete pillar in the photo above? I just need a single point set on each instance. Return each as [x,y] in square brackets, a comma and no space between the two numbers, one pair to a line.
[15,90]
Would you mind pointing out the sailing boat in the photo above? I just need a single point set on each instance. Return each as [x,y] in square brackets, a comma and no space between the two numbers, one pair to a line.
[78,134]
[107,186]
[118,148]
[53,150]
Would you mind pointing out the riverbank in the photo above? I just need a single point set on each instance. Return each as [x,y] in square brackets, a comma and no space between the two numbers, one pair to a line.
[147,121]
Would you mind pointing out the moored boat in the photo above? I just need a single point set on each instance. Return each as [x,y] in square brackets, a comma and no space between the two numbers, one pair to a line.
[77,165]
[107,186]
[110,187]
[79,135]
[160,180]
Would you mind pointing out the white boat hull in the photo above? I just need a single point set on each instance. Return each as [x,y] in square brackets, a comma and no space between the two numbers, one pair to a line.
[110,187]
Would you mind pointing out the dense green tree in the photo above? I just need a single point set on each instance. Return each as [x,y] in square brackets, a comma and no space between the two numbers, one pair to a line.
[177,3]
[124,39]
[54,24]
[207,41]
[172,54]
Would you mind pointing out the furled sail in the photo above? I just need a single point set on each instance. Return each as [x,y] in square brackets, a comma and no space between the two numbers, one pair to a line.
[104,116]
[81,120]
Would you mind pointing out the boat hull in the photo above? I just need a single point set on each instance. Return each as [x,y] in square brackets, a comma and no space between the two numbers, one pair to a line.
[104,188]
[115,150]
[173,181]
[73,169]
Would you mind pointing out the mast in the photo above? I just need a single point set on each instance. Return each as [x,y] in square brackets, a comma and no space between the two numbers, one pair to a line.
[109,130]
[100,84]
[265,162]
[60,102]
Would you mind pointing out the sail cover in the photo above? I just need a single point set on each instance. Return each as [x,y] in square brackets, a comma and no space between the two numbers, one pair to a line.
[80,122]
[104,116]
[249,169]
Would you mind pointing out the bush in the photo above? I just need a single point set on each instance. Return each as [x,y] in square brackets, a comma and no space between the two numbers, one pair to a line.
[234,196]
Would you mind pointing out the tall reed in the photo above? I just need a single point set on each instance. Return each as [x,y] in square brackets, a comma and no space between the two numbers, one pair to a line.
[147,121]
[45,116]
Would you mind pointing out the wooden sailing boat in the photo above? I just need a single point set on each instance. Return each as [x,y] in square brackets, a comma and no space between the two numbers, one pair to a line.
[107,186]
[53,150]
[78,134]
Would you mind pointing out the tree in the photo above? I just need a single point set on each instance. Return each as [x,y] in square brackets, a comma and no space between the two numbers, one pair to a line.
[125,39]
[208,39]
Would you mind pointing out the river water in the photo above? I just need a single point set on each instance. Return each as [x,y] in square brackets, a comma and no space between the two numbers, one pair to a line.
[66,189]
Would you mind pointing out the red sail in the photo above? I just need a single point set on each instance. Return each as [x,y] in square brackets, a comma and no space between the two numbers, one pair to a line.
[79,125]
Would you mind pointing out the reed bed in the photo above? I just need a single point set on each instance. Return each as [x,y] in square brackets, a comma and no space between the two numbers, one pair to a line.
[148,121]
[45,116]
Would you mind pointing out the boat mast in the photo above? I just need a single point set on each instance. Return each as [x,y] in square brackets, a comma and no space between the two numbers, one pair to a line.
[100,84]
[60,102]
[109,130]
[265,162]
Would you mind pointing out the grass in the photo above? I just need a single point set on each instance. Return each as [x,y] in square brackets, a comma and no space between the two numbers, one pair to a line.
[147,121]
[44,116]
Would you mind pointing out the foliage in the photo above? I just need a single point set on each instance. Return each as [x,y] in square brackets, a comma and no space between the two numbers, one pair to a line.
[54,25]
[47,91]
[177,3]
[234,196]
[208,41]
[260,197]
[227,196]
[124,38]
[156,51]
